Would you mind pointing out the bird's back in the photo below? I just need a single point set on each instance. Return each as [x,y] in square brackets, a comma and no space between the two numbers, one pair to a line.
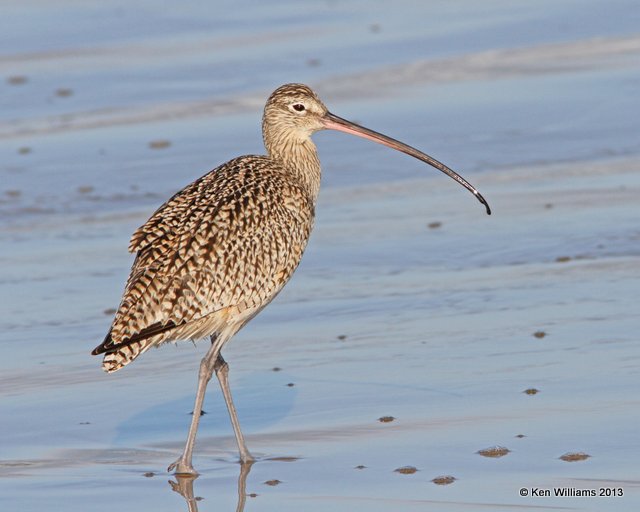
[211,257]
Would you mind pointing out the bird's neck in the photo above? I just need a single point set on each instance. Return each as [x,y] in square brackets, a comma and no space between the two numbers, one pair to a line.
[300,159]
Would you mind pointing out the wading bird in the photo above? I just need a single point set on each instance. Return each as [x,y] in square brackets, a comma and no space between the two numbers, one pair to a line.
[217,252]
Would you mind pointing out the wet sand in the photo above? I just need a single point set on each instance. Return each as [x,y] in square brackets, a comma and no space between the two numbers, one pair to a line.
[425,356]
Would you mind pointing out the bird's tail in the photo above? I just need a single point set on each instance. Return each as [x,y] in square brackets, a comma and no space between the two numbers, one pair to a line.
[119,355]
[123,355]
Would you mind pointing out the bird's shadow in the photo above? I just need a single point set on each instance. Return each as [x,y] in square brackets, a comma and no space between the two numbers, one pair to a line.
[183,485]
[259,407]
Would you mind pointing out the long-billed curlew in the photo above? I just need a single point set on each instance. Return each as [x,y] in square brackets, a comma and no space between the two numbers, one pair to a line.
[215,254]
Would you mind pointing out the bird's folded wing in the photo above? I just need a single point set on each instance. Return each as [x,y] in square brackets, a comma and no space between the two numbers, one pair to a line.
[227,242]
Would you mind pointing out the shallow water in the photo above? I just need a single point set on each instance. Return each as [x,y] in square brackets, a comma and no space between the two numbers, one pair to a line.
[410,302]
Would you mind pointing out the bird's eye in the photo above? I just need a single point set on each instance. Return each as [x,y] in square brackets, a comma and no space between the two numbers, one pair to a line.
[299,107]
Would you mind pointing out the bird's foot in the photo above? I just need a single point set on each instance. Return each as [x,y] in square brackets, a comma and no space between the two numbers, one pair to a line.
[182,467]
[247,458]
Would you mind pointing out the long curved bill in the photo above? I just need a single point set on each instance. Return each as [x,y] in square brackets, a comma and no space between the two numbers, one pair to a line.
[333,122]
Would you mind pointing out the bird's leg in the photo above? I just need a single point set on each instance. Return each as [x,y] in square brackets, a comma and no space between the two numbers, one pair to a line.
[222,372]
[183,465]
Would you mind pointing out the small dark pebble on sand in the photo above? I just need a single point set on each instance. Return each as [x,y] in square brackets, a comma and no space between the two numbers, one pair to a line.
[110,311]
[13,193]
[531,391]
[520,436]
[24,150]
[444,480]
[406,470]
[574,456]
[386,419]
[494,452]
[273,482]
[342,337]
[85,189]
[290,385]
[149,474]
[539,334]
[159,144]
[360,467]
[64,92]
[276,369]
[284,459]
[563,259]
[17,80]
[252,495]
[434,225]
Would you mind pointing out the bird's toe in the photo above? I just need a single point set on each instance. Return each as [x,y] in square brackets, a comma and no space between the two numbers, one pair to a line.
[182,467]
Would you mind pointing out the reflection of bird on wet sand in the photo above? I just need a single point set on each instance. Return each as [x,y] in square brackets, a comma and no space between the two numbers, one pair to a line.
[215,254]
[184,486]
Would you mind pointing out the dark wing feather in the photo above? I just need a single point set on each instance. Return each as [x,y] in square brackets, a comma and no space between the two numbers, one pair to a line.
[108,346]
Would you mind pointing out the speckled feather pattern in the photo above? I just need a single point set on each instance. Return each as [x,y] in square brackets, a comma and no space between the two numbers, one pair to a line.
[212,256]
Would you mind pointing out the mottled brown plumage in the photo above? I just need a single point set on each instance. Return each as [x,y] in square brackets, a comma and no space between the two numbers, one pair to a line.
[211,257]
[215,254]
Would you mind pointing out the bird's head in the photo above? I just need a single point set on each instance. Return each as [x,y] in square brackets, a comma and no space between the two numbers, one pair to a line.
[293,111]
